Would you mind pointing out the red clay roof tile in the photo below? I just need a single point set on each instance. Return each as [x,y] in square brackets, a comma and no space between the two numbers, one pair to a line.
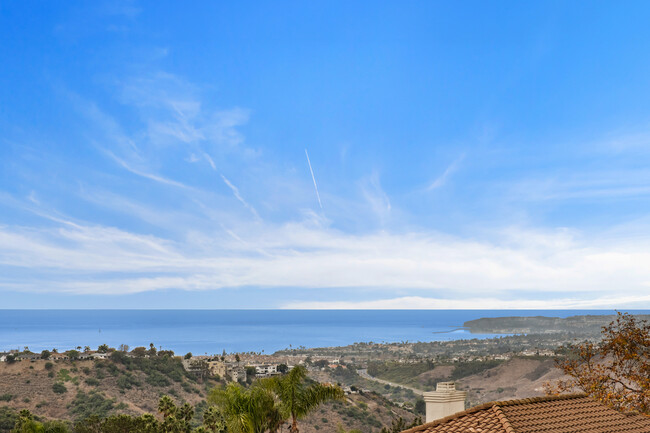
[557,414]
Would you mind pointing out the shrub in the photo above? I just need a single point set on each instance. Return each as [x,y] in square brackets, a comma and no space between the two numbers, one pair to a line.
[64,375]
[50,374]
[49,365]
[6,397]
[92,381]
[93,403]
[127,381]
[157,379]
[8,418]
[59,388]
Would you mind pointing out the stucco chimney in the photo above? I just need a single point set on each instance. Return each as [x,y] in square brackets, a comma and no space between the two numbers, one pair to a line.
[444,401]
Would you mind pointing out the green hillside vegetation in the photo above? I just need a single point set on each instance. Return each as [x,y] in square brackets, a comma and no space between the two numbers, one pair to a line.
[409,374]
[122,393]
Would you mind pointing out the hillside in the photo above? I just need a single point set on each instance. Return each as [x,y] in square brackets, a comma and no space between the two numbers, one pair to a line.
[134,387]
[484,380]
[584,325]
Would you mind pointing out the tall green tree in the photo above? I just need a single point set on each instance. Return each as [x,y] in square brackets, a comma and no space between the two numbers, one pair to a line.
[297,398]
[166,406]
[252,410]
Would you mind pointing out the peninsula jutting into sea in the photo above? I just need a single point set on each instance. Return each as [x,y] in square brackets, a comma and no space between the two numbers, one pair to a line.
[390,377]
[322,216]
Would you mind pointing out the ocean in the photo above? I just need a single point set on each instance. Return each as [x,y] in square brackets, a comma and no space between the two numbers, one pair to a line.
[213,331]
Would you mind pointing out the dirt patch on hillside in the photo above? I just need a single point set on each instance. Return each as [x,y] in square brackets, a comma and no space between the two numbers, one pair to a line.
[438,374]
[514,379]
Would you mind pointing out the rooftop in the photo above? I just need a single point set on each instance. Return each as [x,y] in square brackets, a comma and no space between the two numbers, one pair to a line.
[558,414]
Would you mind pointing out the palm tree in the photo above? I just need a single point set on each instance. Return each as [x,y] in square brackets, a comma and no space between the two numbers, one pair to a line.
[186,412]
[296,398]
[166,406]
[213,420]
[247,410]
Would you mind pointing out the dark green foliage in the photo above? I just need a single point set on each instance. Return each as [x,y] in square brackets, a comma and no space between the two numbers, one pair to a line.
[25,423]
[464,369]
[399,425]
[113,369]
[8,418]
[420,407]
[94,403]
[64,375]
[50,374]
[6,397]
[127,381]
[159,368]
[59,388]
[397,372]
[49,365]
[157,379]
[55,427]
[118,424]
[361,415]
[344,374]
[92,381]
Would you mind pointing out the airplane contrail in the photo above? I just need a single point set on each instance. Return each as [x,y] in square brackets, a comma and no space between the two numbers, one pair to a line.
[314,179]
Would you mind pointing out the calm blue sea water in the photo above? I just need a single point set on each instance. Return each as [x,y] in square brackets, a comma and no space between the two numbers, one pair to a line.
[211,331]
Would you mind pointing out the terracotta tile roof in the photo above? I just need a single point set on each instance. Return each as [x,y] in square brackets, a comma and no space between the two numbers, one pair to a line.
[559,414]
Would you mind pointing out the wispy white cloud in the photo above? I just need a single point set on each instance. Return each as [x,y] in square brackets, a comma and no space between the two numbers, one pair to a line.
[442,179]
[313,179]
[484,303]
[144,174]
[592,185]
[471,274]
[238,196]
[215,248]
[376,197]
[210,160]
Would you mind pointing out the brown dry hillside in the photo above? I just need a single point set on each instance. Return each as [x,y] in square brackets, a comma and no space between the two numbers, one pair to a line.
[109,387]
[514,379]
[31,386]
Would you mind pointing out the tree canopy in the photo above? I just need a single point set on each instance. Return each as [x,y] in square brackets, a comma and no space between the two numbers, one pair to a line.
[616,370]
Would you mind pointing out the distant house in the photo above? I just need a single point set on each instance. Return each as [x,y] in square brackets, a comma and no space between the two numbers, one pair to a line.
[266,370]
[98,355]
[59,357]
[28,357]
[557,414]
[237,374]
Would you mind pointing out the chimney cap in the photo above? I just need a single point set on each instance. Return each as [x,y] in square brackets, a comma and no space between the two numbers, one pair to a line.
[446,386]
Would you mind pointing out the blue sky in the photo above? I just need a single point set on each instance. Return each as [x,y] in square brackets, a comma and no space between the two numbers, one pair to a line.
[465,155]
